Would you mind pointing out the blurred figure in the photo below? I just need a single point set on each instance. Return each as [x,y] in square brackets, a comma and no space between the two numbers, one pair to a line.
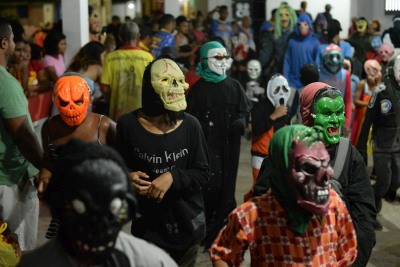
[54,48]
[93,196]
[221,27]
[95,33]
[365,89]
[164,36]
[146,38]
[121,79]
[113,28]
[392,34]
[303,9]
[18,66]
[361,40]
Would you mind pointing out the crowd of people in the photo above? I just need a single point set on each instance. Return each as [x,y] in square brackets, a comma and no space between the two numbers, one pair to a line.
[145,125]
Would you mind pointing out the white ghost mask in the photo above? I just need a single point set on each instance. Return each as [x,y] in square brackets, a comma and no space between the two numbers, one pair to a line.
[278,90]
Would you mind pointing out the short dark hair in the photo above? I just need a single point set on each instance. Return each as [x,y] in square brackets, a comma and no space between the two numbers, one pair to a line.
[50,43]
[223,8]
[181,19]
[166,19]
[5,29]
[144,32]
[309,74]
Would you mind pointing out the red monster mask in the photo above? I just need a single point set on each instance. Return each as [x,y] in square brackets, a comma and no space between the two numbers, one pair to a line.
[72,97]
[310,173]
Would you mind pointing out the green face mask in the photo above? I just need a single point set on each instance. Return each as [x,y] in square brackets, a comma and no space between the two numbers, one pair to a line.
[329,114]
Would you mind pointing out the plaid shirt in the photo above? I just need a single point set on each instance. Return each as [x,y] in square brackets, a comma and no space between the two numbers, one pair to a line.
[261,225]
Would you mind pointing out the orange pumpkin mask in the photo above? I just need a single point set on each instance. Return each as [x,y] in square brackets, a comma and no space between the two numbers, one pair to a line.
[72,97]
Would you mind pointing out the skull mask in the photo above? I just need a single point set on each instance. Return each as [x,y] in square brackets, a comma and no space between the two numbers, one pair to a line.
[332,58]
[72,97]
[254,69]
[169,83]
[309,175]
[278,90]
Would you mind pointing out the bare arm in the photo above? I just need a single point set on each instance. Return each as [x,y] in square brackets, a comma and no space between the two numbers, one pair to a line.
[106,90]
[358,93]
[220,263]
[25,139]
[52,74]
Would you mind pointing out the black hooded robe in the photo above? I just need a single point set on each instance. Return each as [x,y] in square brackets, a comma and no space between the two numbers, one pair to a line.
[221,109]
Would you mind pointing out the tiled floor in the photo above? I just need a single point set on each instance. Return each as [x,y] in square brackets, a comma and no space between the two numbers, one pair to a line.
[385,254]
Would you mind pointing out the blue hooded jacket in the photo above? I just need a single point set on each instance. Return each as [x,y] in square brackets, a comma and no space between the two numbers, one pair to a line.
[301,50]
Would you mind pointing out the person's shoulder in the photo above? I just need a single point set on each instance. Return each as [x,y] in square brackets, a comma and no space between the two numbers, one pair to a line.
[127,118]
[42,256]
[141,252]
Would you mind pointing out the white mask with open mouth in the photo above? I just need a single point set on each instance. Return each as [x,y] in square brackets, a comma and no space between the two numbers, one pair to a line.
[278,90]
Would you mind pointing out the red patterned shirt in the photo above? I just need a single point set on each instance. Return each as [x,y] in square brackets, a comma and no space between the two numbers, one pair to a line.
[261,225]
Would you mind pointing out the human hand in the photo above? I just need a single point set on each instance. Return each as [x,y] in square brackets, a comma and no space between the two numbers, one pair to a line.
[141,186]
[279,112]
[44,177]
[160,186]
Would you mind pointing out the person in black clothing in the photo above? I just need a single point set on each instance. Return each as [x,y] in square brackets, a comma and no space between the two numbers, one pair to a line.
[322,105]
[166,153]
[220,104]
[383,114]
[392,35]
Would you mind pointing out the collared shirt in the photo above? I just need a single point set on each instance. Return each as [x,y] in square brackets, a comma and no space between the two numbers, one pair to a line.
[261,225]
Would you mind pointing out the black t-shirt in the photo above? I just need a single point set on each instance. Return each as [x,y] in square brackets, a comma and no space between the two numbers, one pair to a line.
[178,221]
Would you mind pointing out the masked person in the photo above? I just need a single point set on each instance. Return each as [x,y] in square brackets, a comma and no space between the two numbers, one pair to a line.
[392,35]
[322,105]
[221,106]
[383,114]
[166,153]
[332,73]
[302,49]
[363,94]
[361,39]
[386,51]
[75,121]
[92,194]
[273,43]
[254,90]
[300,221]
[268,116]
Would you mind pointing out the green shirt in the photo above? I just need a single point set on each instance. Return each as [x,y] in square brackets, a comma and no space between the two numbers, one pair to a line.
[13,104]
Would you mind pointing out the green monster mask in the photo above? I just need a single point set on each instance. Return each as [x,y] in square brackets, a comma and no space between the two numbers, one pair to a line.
[361,25]
[329,114]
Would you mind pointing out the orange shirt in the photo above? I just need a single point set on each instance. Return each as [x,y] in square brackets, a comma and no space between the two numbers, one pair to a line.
[260,225]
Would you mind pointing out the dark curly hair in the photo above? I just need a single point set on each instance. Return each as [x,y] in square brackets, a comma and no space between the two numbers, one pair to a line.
[89,54]
[51,42]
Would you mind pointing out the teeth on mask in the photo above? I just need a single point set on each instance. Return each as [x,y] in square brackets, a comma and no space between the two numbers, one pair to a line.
[94,249]
[85,247]
[102,248]
[110,244]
